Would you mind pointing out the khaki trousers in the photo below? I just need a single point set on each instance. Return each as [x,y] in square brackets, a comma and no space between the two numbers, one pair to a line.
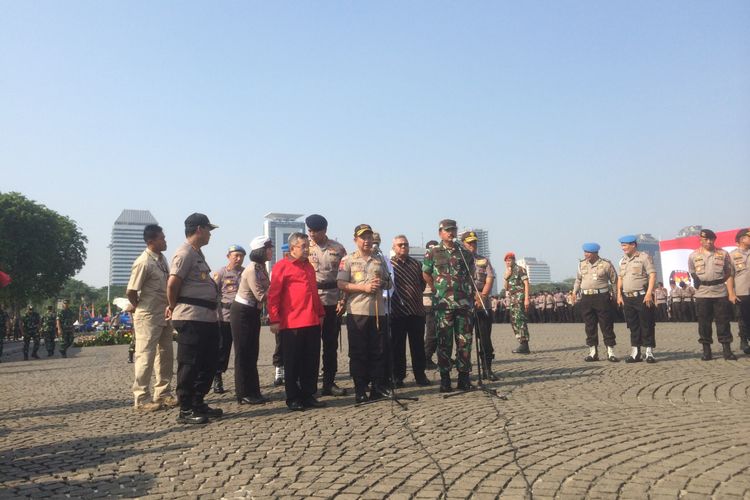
[154,353]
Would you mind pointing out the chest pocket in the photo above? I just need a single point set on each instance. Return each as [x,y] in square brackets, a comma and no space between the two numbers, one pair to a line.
[740,262]
[719,259]
[700,264]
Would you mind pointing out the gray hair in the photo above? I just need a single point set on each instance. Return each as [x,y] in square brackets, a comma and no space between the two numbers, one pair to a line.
[294,238]
[398,237]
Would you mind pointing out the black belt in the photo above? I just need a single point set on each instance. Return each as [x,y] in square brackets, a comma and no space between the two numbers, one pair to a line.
[226,305]
[330,285]
[712,282]
[197,302]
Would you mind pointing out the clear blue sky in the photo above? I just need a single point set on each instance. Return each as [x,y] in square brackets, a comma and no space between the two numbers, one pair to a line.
[546,123]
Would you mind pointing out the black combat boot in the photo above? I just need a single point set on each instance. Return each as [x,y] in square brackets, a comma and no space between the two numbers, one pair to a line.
[445,383]
[464,382]
[523,348]
[706,352]
[728,354]
[218,384]
[744,346]
[131,354]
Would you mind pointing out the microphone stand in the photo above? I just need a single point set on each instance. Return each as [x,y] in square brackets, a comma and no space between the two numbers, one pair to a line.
[390,394]
[481,360]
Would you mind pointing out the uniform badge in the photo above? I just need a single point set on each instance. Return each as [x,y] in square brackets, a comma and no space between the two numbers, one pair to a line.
[359,276]
[203,276]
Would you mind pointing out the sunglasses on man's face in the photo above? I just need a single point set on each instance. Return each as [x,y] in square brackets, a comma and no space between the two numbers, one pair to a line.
[402,245]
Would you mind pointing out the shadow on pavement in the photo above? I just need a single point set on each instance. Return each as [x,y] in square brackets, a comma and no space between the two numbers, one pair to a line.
[72,408]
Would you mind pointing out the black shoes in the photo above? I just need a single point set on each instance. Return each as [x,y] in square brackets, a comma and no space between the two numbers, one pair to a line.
[253,400]
[295,406]
[636,359]
[523,348]
[35,355]
[64,355]
[706,353]
[613,359]
[431,365]
[422,380]
[728,354]
[208,412]
[650,359]
[464,382]
[311,402]
[130,356]
[591,358]
[191,417]
[25,357]
[490,375]
[218,384]
[332,390]
[399,384]
[744,346]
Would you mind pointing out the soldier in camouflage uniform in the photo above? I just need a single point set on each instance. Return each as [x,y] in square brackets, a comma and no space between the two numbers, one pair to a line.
[517,286]
[445,272]
[31,323]
[65,320]
[4,328]
[49,324]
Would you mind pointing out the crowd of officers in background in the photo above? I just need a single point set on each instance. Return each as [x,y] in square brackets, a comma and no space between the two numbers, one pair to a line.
[673,304]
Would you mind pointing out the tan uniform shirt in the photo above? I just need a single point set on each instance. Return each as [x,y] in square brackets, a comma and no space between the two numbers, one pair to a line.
[254,284]
[596,276]
[482,270]
[741,266]
[190,265]
[660,294]
[710,266]
[635,271]
[325,260]
[148,277]
[357,269]
[676,295]
[228,281]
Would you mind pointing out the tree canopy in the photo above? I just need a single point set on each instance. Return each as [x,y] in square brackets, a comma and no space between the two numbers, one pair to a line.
[39,248]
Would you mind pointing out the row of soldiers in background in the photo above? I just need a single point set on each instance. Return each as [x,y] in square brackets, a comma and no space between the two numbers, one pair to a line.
[544,307]
[33,327]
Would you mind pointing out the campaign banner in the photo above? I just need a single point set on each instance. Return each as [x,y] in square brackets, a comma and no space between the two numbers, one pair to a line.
[675,253]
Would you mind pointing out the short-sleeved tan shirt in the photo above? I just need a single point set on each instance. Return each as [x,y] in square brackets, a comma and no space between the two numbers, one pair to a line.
[190,265]
[148,277]
[325,260]
[710,266]
[254,284]
[635,270]
[596,276]
[228,281]
[357,269]
[741,263]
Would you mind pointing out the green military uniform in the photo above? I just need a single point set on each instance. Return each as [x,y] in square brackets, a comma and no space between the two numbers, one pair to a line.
[49,328]
[3,328]
[31,323]
[516,296]
[66,318]
[452,303]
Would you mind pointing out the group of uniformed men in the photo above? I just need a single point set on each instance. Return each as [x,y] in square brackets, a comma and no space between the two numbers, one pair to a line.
[48,327]
[432,305]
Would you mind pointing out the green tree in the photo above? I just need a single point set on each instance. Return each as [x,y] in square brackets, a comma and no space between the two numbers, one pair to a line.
[40,249]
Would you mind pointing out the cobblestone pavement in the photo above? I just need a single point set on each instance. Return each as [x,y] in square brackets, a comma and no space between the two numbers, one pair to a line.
[679,428]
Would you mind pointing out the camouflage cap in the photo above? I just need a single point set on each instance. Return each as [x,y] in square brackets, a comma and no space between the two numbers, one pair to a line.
[448,224]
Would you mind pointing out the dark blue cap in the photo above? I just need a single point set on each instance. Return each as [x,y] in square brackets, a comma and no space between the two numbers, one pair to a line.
[316,222]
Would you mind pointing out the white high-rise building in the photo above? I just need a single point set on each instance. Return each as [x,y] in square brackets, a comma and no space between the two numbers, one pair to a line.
[537,270]
[127,244]
[483,240]
[279,227]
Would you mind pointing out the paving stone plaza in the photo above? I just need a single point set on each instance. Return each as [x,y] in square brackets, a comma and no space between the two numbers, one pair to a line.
[679,428]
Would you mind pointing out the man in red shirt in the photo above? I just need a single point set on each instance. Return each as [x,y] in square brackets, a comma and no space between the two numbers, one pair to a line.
[294,312]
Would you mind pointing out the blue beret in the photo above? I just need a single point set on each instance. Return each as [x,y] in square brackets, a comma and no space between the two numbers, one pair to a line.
[628,238]
[236,248]
[591,247]
[316,222]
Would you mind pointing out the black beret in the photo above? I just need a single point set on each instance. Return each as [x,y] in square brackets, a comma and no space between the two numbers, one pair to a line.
[316,222]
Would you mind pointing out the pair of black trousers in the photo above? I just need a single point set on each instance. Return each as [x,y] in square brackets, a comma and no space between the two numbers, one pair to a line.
[330,336]
[597,310]
[301,353]
[484,322]
[366,346]
[197,348]
[225,346]
[245,322]
[411,327]
[641,321]
[709,310]
[744,315]
[278,357]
